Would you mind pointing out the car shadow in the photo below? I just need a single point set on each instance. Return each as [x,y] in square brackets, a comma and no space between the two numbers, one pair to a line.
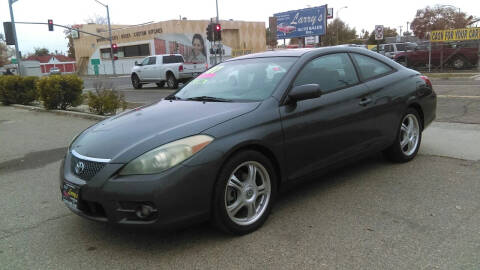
[148,239]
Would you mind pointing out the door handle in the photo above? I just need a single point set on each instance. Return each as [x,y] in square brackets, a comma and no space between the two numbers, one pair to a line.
[365,101]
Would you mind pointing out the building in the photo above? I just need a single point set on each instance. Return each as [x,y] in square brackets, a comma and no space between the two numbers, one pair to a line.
[174,36]
[46,62]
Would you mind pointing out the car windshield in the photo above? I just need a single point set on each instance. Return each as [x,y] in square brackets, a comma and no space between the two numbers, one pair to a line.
[241,80]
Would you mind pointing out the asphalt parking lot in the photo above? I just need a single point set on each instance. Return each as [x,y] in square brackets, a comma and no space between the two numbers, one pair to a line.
[370,215]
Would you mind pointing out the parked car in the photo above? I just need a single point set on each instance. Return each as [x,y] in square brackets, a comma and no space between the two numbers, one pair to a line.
[54,71]
[169,68]
[391,49]
[222,146]
[454,56]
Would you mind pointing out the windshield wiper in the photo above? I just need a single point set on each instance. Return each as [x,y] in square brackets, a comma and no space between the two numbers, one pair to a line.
[207,98]
[172,97]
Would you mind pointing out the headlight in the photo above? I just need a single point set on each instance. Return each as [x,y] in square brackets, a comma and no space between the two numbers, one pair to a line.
[166,156]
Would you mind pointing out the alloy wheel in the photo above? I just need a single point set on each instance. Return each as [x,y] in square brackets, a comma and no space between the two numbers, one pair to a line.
[409,134]
[247,193]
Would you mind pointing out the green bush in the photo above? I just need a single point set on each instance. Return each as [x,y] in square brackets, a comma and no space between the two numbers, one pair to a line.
[60,91]
[105,101]
[18,90]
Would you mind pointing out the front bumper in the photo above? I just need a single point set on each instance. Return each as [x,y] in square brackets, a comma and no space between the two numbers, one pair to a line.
[179,195]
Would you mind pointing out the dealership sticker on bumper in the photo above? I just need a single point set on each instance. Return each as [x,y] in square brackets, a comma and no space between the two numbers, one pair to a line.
[70,194]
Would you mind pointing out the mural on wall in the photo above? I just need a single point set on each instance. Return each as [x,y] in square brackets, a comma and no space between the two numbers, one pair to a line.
[194,47]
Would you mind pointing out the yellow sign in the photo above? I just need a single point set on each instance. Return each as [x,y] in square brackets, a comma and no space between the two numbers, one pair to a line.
[455,34]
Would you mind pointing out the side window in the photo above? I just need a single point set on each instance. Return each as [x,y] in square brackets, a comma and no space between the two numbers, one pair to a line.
[369,67]
[145,61]
[152,60]
[331,72]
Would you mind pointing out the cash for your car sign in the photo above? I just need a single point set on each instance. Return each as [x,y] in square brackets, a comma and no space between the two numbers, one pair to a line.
[302,22]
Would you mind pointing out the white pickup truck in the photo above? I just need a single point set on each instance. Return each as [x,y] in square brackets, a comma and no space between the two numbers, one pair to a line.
[169,68]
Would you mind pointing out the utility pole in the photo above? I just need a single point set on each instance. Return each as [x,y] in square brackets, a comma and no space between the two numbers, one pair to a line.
[219,42]
[110,36]
[17,51]
[338,21]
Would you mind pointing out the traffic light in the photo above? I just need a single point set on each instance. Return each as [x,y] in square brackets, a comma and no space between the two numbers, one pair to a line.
[8,30]
[218,32]
[50,25]
[210,32]
[114,48]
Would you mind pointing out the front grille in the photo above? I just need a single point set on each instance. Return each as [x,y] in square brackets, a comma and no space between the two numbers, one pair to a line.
[90,168]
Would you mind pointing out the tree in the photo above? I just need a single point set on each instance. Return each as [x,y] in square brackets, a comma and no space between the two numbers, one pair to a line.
[439,18]
[71,48]
[268,38]
[41,51]
[97,19]
[387,32]
[4,54]
[338,32]
[70,45]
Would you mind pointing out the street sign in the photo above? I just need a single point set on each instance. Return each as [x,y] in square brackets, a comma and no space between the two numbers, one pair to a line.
[14,60]
[378,32]
[95,61]
[75,34]
[463,34]
[302,22]
[330,13]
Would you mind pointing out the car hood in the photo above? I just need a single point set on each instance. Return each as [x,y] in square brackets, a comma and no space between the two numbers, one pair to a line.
[128,135]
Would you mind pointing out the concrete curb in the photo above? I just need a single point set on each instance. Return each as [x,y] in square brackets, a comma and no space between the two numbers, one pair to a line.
[62,112]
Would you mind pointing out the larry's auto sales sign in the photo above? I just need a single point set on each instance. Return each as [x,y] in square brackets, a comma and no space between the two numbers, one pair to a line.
[302,22]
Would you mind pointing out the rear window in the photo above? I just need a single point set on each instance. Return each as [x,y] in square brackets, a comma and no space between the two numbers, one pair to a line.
[401,47]
[370,68]
[170,59]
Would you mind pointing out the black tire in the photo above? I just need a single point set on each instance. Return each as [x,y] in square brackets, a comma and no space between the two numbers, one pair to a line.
[136,82]
[458,62]
[403,62]
[172,81]
[221,218]
[396,152]
[161,84]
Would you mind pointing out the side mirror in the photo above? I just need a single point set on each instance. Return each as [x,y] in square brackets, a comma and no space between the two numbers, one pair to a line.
[304,92]
[136,63]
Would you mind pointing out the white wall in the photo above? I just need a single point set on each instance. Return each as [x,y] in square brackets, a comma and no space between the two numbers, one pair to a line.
[122,65]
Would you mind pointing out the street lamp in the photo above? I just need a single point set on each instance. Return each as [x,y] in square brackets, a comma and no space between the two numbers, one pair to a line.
[110,36]
[336,15]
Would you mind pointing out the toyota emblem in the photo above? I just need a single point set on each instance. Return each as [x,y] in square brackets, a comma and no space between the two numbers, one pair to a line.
[79,167]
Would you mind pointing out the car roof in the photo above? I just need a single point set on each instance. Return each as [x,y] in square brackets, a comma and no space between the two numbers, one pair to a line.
[302,51]
[167,54]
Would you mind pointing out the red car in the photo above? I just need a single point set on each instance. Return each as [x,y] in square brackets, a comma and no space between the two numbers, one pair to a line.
[456,56]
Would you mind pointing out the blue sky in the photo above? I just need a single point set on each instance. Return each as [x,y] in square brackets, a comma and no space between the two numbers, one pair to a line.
[359,14]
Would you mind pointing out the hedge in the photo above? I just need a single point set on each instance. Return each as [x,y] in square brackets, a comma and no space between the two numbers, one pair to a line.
[18,90]
[105,101]
[60,91]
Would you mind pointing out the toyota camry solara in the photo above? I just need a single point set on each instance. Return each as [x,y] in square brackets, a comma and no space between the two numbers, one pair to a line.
[223,146]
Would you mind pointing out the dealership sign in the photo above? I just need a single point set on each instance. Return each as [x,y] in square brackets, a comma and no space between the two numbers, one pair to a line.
[455,34]
[302,22]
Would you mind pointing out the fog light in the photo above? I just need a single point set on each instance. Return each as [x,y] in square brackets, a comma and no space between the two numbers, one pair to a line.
[144,211]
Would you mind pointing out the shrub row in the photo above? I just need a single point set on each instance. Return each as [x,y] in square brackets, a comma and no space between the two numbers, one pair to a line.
[59,92]
[18,90]
[56,92]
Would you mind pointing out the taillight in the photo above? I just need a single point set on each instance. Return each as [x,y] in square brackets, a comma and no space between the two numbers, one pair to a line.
[180,68]
[427,81]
